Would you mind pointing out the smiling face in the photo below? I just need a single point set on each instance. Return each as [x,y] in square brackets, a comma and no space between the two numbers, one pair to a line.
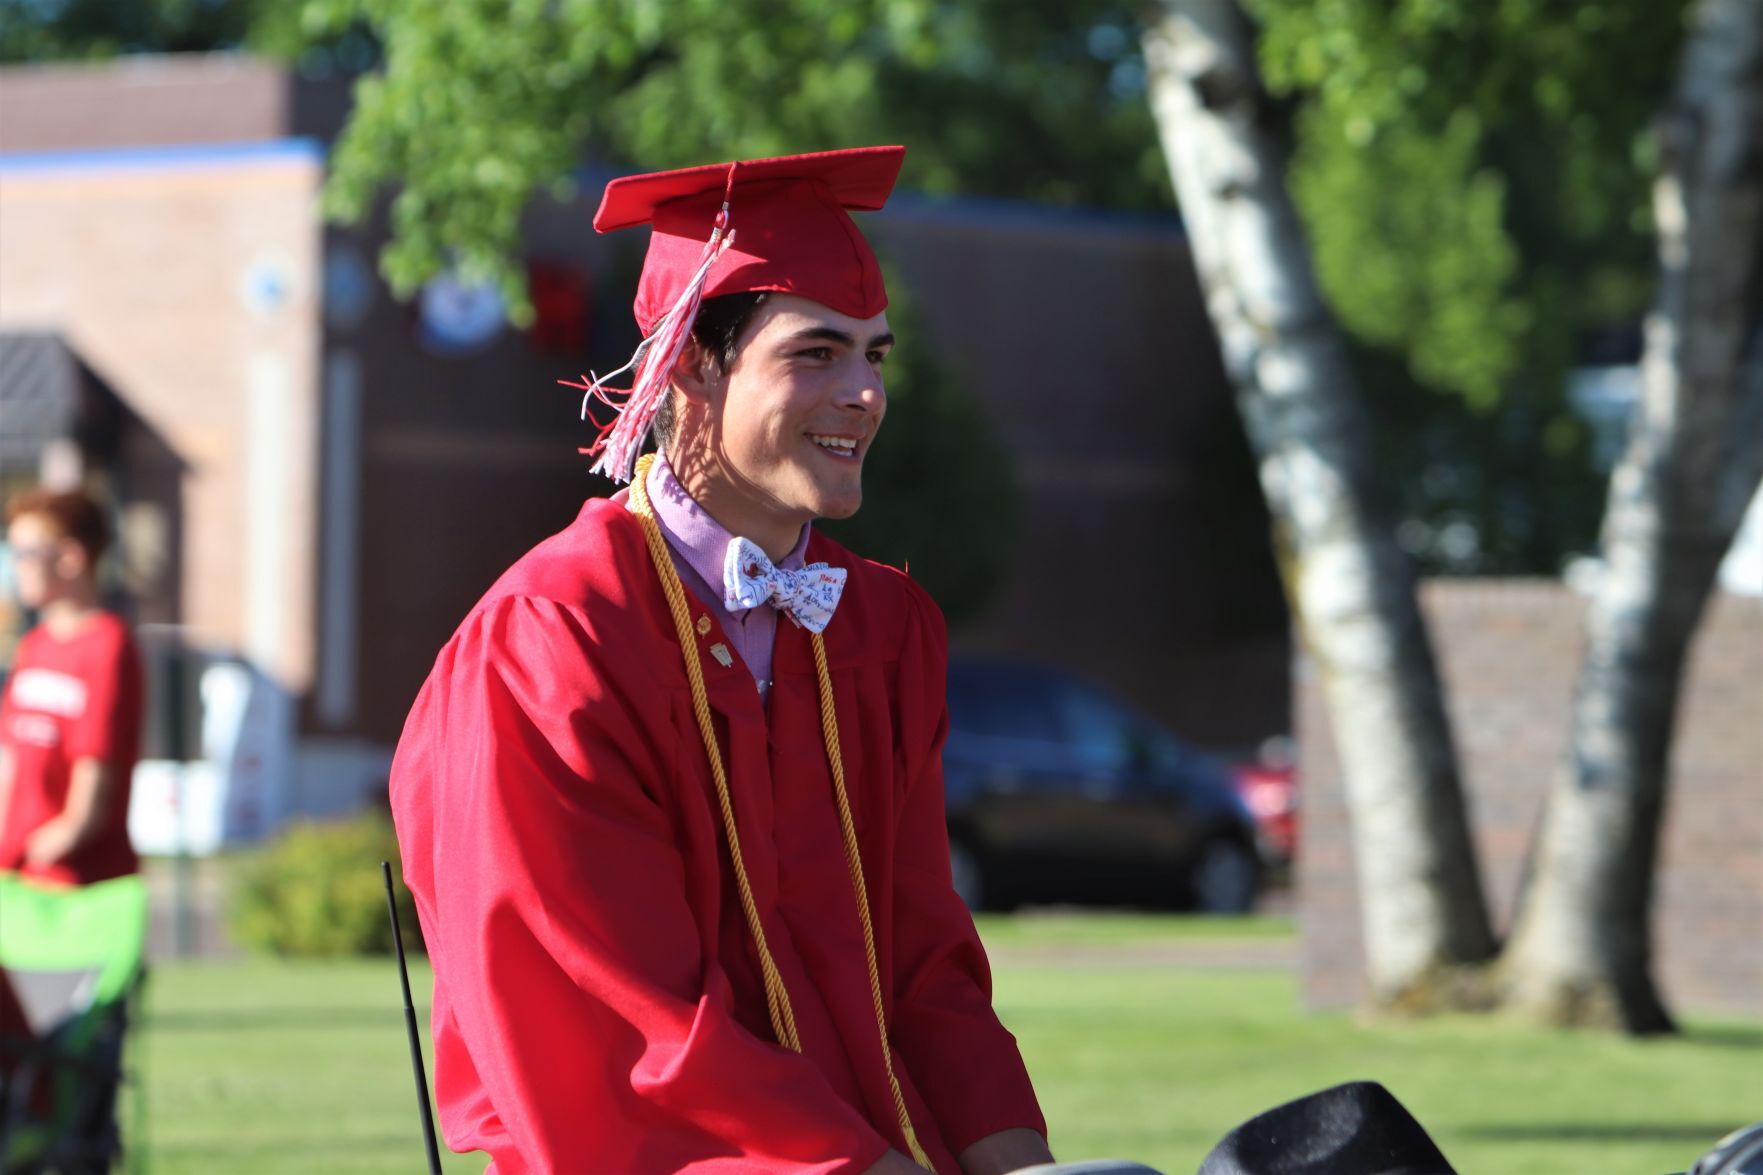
[778,439]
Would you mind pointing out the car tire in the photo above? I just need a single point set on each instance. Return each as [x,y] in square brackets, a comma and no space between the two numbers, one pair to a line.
[1225,877]
[967,875]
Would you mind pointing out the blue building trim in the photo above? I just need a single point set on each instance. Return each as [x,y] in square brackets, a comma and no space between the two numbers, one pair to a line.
[181,157]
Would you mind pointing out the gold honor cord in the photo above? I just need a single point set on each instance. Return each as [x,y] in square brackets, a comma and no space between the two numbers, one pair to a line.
[777,997]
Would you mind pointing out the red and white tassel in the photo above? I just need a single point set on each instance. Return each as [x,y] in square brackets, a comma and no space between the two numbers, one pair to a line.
[619,442]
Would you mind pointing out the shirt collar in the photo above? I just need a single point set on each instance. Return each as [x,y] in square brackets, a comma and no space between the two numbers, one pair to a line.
[698,538]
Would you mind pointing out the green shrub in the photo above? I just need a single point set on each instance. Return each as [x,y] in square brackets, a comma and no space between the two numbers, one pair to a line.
[317,891]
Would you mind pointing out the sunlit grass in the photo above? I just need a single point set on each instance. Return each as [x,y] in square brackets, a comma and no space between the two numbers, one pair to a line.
[262,1066]
[1156,1065]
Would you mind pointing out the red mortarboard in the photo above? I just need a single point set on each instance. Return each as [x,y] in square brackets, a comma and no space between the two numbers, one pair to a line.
[792,232]
[788,230]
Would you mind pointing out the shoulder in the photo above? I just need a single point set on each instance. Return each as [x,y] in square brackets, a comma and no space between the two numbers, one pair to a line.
[30,645]
[584,564]
[110,631]
[888,603]
[586,594]
[104,639]
[113,645]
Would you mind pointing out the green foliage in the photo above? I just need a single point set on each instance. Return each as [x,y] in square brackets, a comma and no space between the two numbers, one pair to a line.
[940,496]
[482,102]
[317,891]
[1447,300]
[1474,177]
[49,30]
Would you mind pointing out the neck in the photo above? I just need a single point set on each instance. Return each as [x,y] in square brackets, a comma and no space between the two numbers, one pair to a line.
[66,614]
[737,505]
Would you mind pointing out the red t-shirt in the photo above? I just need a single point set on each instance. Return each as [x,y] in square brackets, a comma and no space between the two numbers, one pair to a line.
[68,700]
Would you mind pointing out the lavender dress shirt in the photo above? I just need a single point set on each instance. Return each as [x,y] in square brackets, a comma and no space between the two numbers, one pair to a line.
[698,544]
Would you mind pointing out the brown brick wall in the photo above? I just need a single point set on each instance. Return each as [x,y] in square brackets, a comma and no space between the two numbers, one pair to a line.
[141,267]
[142,101]
[1509,652]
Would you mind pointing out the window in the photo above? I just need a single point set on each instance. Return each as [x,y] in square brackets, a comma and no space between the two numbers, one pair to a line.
[1101,734]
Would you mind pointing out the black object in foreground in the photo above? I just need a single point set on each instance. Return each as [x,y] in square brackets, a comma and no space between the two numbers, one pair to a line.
[422,1081]
[1739,1153]
[1354,1129]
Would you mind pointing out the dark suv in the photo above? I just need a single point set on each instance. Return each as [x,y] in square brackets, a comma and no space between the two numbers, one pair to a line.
[1058,792]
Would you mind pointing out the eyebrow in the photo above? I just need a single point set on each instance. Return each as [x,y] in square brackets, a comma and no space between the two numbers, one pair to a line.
[834,335]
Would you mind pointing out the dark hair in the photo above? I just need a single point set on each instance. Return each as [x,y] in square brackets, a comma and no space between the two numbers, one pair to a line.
[719,328]
[74,513]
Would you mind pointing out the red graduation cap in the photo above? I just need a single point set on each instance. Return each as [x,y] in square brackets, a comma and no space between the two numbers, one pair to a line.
[729,228]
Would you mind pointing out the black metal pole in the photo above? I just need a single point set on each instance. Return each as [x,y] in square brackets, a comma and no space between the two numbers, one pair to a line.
[177,747]
[422,1081]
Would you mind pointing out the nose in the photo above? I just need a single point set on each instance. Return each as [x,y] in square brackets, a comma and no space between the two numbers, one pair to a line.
[863,389]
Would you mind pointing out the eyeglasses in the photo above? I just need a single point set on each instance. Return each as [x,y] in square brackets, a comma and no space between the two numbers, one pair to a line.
[35,554]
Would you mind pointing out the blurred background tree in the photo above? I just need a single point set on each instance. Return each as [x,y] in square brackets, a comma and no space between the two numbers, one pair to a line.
[1475,182]
[480,104]
[58,30]
[1475,178]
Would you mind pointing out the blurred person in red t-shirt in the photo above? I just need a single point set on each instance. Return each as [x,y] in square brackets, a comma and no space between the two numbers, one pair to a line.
[70,718]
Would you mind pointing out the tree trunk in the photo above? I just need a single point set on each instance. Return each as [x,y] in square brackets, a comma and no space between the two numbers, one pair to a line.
[1351,587]
[1581,950]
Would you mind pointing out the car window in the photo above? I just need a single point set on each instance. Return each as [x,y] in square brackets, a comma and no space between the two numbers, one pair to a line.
[995,705]
[1102,736]
[1167,754]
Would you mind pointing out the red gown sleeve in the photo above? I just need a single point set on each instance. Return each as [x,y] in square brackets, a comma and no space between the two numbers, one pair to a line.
[962,1059]
[580,1025]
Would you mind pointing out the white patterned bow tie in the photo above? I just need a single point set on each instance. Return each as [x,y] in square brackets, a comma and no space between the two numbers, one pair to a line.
[807,597]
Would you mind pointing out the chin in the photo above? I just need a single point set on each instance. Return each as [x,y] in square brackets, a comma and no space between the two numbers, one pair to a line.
[839,502]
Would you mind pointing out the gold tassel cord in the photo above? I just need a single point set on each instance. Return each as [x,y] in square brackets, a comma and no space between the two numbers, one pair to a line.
[829,723]
[777,997]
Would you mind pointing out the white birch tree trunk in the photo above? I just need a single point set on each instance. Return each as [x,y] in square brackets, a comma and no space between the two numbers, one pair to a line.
[1581,948]
[1352,588]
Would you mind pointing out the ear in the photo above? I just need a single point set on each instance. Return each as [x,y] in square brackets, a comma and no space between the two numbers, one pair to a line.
[696,372]
[71,560]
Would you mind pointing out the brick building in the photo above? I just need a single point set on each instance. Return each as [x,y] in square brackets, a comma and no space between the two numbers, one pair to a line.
[1508,653]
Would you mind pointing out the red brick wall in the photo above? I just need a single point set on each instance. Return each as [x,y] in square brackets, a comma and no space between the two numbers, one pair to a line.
[1509,652]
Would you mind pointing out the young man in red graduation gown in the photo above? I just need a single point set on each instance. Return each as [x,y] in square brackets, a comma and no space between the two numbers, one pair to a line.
[671,800]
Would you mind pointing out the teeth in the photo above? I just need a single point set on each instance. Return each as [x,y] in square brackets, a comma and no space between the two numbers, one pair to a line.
[836,444]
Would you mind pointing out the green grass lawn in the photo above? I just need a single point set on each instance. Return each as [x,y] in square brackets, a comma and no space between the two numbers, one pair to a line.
[266,1066]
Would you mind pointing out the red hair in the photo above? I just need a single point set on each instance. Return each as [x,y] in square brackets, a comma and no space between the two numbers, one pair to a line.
[75,514]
